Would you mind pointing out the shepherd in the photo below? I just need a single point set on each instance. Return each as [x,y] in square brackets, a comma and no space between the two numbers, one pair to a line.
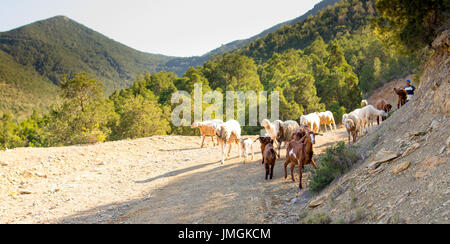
[410,89]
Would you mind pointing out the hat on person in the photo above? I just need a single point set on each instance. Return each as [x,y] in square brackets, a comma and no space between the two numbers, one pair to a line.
[408,81]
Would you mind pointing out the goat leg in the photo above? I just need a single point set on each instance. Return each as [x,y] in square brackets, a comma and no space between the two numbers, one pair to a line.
[300,172]
[285,167]
[271,171]
[203,141]
[214,143]
[292,171]
[223,153]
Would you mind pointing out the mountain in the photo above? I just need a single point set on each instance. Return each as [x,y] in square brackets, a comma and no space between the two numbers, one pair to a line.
[22,88]
[60,46]
[331,22]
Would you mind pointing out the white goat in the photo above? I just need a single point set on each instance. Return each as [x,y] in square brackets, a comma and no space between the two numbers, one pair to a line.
[327,119]
[344,118]
[246,146]
[368,114]
[272,129]
[311,120]
[364,103]
[353,125]
[208,128]
[227,133]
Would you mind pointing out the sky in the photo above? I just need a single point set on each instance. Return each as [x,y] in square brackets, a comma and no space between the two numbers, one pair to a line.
[170,27]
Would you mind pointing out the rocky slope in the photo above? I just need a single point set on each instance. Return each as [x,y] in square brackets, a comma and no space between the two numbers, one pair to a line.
[405,174]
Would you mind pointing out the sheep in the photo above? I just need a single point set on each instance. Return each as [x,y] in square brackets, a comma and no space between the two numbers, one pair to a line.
[271,128]
[264,141]
[353,124]
[246,145]
[300,152]
[311,120]
[227,133]
[364,103]
[402,97]
[286,133]
[368,114]
[327,119]
[385,106]
[357,111]
[207,128]
[270,158]
[344,118]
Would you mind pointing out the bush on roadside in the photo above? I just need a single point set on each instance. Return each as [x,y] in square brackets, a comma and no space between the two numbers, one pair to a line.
[336,161]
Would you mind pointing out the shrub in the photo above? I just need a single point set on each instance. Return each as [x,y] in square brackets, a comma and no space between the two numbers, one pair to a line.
[318,218]
[336,161]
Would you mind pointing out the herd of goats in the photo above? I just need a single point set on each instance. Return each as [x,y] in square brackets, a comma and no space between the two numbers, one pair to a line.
[298,138]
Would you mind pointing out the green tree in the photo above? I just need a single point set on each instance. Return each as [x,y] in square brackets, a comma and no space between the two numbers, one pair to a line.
[9,133]
[83,116]
[413,24]
[31,129]
[139,117]
[232,72]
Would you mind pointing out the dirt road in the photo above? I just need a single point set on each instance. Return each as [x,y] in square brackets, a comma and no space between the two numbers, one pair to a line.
[150,180]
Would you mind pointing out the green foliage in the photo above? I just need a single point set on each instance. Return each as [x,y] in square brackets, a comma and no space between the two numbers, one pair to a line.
[22,88]
[317,218]
[411,24]
[82,117]
[372,61]
[329,23]
[139,117]
[290,73]
[9,133]
[232,72]
[336,161]
[30,130]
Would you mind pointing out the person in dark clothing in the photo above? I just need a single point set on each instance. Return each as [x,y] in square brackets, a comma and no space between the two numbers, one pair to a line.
[410,89]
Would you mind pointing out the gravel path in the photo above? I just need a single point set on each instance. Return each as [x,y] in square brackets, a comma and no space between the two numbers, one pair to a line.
[150,180]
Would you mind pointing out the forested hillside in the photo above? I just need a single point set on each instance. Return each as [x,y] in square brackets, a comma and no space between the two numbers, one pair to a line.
[242,43]
[59,46]
[22,89]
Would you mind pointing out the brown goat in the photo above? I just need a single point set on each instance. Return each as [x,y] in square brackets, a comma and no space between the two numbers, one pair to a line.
[402,96]
[264,142]
[300,152]
[385,106]
[270,158]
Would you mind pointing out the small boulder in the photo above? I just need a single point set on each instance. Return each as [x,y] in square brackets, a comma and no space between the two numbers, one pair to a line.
[411,149]
[319,201]
[381,157]
[448,142]
[429,165]
[401,167]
